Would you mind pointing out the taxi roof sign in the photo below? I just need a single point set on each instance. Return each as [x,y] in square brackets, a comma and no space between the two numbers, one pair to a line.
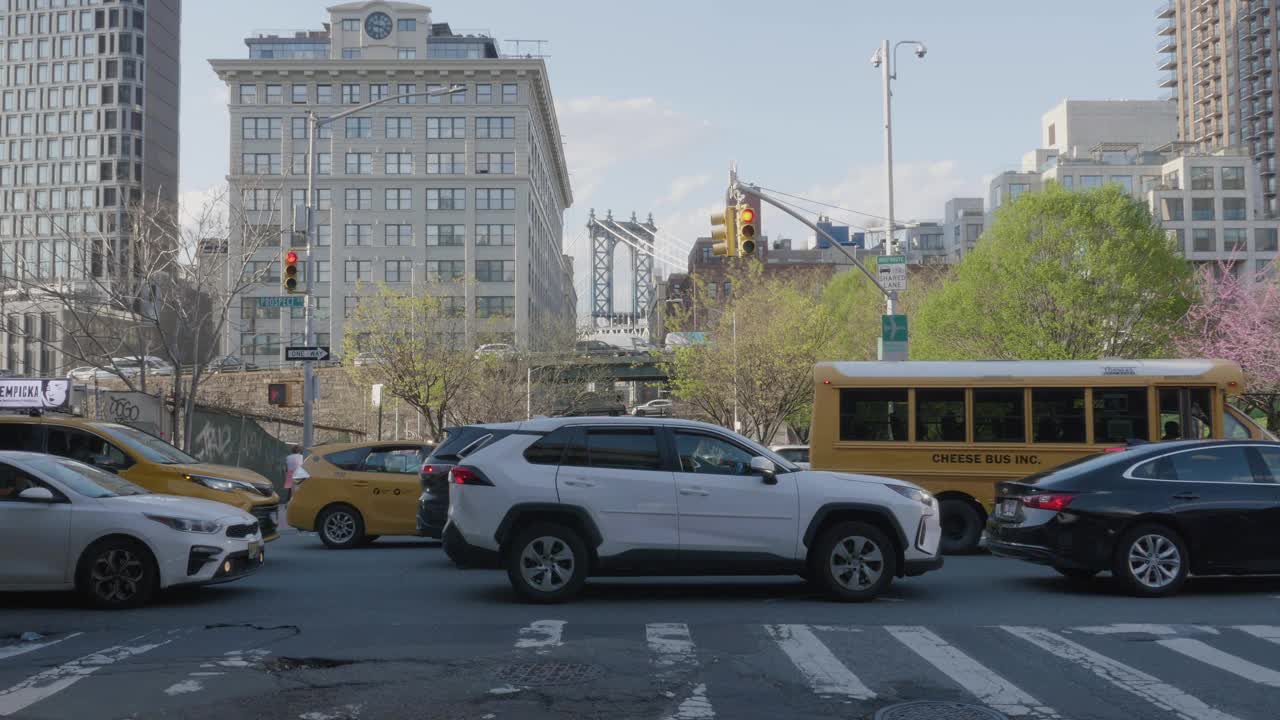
[34,393]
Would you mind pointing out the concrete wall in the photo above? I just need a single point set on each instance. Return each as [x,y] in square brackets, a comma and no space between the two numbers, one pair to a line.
[1078,125]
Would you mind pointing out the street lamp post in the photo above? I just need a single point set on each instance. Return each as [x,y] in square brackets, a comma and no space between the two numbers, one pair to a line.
[313,125]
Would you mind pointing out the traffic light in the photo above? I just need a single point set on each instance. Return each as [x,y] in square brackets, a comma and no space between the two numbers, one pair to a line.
[724,228]
[747,224]
[290,273]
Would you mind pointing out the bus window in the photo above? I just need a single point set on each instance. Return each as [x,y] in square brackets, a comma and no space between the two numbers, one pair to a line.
[940,415]
[998,416]
[1119,415]
[1235,430]
[1057,415]
[873,414]
[1184,413]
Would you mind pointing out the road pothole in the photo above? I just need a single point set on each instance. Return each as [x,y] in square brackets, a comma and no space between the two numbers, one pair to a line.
[541,674]
[936,710]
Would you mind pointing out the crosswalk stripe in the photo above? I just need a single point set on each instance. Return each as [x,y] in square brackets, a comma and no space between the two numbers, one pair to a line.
[1210,655]
[988,687]
[1265,632]
[823,671]
[26,647]
[55,680]
[541,636]
[670,643]
[1127,678]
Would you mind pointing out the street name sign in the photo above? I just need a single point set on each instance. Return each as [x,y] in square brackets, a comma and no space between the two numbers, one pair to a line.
[307,353]
[281,301]
[892,270]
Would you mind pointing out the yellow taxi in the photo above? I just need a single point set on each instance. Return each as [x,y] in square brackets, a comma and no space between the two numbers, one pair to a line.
[146,460]
[357,492]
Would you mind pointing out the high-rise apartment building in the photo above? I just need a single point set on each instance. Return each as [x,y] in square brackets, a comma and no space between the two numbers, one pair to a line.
[464,194]
[88,126]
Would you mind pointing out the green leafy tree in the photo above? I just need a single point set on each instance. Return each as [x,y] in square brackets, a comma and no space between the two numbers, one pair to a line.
[858,304]
[1061,275]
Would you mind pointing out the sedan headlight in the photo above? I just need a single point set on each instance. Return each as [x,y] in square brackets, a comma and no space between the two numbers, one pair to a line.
[191,525]
[911,493]
[221,484]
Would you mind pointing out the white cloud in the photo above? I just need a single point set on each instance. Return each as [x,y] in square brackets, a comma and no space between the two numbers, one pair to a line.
[203,211]
[681,187]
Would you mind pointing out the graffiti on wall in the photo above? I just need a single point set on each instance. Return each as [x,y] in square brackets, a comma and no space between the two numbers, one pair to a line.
[145,412]
[239,441]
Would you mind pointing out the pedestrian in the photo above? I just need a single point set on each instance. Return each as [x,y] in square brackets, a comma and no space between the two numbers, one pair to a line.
[292,462]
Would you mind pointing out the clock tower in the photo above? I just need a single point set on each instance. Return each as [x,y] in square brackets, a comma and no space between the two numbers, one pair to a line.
[379,30]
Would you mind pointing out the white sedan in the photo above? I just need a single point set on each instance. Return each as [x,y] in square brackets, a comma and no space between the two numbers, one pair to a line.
[65,525]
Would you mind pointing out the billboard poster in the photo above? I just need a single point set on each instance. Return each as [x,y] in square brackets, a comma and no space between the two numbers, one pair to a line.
[34,393]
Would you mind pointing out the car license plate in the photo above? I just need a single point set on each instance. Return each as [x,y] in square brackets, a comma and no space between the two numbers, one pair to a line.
[1008,508]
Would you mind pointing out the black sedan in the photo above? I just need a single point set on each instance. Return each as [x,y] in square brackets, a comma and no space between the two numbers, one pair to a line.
[1150,514]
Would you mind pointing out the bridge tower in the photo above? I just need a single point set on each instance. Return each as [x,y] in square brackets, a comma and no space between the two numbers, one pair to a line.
[640,238]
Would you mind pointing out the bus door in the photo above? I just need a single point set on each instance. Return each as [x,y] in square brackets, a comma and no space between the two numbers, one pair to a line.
[1186,413]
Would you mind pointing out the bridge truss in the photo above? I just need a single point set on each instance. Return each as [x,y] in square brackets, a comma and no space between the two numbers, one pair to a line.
[641,239]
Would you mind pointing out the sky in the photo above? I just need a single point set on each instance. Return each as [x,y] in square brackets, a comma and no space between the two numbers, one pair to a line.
[656,99]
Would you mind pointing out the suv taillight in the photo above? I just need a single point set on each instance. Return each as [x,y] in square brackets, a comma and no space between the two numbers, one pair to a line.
[463,475]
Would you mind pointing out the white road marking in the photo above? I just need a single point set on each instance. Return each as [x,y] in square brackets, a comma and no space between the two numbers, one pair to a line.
[988,687]
[184,687]
[696,706]
[823,671]
[504,690]
[670,644]
[9,651]
[1130,679]
[1137,628]
[346,712]
[1210,655]
[55,680]
[835,628]
[542,636]
[1265,632]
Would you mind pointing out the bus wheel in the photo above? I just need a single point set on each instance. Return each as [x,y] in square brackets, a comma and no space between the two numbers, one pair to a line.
[961,526]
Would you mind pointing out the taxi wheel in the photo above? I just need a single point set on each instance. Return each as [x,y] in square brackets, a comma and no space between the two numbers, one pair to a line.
[340,527]
[117,574]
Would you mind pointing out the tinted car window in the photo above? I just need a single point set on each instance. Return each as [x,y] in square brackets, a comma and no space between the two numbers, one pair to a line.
[1220,464]
[707,455]
[13,481]
[626,449]
[549,449]
[392,460]
[18,436]
[85,447]
[1271,457]
[348,459]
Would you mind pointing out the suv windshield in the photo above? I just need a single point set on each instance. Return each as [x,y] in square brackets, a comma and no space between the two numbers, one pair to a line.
[148,446]
[84,479]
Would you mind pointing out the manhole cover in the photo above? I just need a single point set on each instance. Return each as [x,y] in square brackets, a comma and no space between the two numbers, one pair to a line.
[535,674]
[933,710]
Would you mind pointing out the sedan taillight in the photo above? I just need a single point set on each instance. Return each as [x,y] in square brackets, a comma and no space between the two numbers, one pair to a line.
[1048,501]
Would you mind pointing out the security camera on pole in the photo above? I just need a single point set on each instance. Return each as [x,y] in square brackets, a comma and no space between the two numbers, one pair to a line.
[893,338]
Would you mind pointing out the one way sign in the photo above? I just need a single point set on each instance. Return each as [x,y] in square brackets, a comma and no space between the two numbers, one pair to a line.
[313,352]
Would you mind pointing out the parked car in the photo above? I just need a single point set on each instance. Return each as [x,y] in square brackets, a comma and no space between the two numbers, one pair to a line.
[356,493]
[83,374]
[594,403]
[433,503]
[131,367]
[495,350]
[367,358]
[654,408]
[143,459]
[65,525]
[230,363]
[1150,514]
[597,348]
[558,500]
[798,454]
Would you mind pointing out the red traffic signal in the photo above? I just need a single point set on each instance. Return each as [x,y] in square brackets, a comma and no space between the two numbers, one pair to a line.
[290,273]
[291,257]
[277,394]
[748,215]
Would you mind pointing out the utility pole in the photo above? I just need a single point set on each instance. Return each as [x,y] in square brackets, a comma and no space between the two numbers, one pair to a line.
[890,239]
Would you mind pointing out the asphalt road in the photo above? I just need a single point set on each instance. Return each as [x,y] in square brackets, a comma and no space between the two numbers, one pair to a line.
[394,631]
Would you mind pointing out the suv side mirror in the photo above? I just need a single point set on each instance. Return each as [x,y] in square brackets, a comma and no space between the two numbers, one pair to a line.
[36,494]
[765,468]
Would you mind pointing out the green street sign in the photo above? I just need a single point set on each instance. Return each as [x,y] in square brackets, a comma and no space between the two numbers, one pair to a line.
[282,301]
[893,328]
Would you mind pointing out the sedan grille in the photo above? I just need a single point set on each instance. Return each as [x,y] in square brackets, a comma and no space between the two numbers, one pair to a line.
[242,531]
[266,518]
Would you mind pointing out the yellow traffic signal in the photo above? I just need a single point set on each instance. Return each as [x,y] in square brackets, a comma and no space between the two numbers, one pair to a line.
[746,230]
[290,272]
[724,228]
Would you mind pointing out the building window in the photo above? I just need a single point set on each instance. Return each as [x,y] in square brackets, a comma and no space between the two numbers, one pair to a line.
[1150,182]
[1201,178]
[1204,240]
[435,99]
[359,199]
[261,128]
[398,199]
[248,94]
[324,235]
[446,163]
[446,270]
[324,94]
[351,25]
[350,53]
[399,164]
[1202,208]
[407,25]
[349,304]
[439,128]
[1067,181]
[275,94]
[377,91]
[495,163]
[399,127]
[350,93]
[496,127]
[359,127]
[398,235]
[446,235]
[501,306]
[1233,178]
[1124,181]
[1264,240]
[1235,240]
[299,94]
[495,199]
[397,271]
[359,235]
[495,234]
[406,89]
[510,94]
[260,163]
[322,275]
[1173,208]
[359,271]
[495,270]
[1233,208]
[359,164]
[484,94]
[446,199]
[1090,181]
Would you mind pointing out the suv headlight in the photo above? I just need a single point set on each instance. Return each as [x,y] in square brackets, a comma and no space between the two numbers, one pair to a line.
[220,484]
[191,525]
[911,493]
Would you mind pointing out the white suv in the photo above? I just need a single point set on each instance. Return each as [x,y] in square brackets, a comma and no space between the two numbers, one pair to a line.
[555,500]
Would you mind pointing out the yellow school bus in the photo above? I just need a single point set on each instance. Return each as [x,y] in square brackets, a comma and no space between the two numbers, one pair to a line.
[956,428]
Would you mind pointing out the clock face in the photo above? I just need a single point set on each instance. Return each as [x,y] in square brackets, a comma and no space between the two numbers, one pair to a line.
[378,25]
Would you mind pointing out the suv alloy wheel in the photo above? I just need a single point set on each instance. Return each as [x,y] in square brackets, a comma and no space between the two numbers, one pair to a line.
[547,562]
[855,561]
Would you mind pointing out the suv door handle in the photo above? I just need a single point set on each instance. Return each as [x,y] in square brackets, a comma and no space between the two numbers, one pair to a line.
[580,483]
[1186,496]
[694,491]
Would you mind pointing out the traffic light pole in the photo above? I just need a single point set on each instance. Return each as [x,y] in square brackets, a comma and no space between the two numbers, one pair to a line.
[890,239]
[308,372]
